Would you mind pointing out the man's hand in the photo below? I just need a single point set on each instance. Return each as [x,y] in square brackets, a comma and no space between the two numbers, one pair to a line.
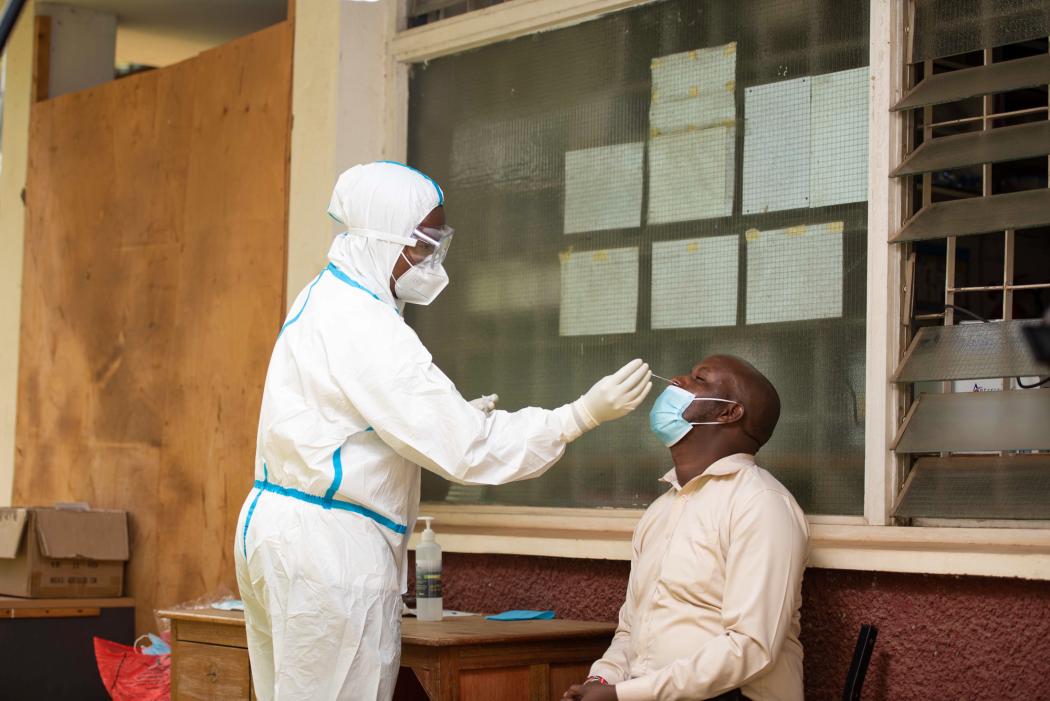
[573,693]
[592,691]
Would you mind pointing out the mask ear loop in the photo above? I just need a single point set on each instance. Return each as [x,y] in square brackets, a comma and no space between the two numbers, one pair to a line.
[410,266]
[724,423]
[714,399]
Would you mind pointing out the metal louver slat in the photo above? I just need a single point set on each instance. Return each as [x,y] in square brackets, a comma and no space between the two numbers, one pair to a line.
[978,215]
[978,486]
[980,80]
[991,146]
[967,422]
[969,352]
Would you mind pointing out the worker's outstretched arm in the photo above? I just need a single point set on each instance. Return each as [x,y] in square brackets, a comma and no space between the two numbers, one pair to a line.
[419,412]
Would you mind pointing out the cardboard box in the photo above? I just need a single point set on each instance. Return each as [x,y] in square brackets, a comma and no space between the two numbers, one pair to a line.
[62,552]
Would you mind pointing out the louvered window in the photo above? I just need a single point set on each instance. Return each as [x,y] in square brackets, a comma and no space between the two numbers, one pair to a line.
[975,439]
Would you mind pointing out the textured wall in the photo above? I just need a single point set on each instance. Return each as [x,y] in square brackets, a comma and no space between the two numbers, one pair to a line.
[939,637]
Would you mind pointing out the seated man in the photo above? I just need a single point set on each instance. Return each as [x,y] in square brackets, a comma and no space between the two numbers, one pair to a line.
[713,599]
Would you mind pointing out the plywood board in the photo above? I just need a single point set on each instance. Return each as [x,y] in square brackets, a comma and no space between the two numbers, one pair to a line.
[153,285]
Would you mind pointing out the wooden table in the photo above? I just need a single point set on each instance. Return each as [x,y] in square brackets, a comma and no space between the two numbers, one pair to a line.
[474,658]
[46,649]
[209,655]
[467,658]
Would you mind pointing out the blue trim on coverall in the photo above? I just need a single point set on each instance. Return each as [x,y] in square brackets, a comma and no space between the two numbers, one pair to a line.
[332,504]
[440,192]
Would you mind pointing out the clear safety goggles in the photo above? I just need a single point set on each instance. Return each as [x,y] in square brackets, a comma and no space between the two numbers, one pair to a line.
[431,246]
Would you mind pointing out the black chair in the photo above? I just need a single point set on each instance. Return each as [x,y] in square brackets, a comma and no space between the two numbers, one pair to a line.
[858,667]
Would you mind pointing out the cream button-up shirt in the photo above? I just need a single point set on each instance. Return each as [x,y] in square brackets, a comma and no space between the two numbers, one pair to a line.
[715,591]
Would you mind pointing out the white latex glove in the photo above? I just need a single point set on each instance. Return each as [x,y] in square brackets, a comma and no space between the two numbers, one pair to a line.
[486,403]
[612,397]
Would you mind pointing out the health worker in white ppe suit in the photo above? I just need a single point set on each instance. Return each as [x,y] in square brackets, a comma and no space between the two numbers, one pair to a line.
[352,407]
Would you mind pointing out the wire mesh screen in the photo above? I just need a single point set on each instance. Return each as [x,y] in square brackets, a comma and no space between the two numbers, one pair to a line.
[676,180]
[422,12]
[949,27]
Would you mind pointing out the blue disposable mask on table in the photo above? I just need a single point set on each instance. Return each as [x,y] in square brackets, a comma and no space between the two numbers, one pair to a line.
[666,420]
[522,615]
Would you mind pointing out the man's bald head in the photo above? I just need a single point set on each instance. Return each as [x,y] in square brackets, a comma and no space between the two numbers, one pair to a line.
[758,395]
[729,377]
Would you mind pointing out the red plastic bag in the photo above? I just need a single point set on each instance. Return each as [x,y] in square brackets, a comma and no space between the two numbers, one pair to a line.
[130,675]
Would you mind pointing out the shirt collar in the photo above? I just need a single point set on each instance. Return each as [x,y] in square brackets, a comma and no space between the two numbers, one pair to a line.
[729,465]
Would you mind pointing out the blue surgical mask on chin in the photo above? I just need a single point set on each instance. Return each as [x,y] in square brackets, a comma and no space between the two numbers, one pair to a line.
[666,420]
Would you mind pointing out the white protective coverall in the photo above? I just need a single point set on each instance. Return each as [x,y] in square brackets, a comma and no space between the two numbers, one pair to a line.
[352,406]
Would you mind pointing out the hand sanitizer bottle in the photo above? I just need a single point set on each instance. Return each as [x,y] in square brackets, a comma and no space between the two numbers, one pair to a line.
[428,575]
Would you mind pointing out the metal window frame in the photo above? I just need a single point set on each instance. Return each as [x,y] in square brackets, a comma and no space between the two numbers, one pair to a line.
[869,542]
[517,18]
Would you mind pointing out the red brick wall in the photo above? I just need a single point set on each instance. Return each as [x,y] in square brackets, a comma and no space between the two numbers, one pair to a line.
[940,637]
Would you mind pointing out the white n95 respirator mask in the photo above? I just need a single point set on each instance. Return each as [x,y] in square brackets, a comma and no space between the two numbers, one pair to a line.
[426,277]
[420,284]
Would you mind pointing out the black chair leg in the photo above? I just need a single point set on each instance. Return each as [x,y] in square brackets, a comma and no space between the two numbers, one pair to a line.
[858,667]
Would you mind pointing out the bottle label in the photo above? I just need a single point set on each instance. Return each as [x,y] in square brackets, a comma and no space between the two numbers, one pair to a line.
[428,585]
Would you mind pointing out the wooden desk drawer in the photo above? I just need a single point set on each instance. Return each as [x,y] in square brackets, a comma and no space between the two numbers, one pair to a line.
[202,632]
[209,673]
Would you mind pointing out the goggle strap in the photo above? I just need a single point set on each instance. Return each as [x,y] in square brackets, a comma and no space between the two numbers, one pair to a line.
[428,238]
[382,236]
[421,235]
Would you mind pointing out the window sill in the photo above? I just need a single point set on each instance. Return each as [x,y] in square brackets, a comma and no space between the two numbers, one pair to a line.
[835,542]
